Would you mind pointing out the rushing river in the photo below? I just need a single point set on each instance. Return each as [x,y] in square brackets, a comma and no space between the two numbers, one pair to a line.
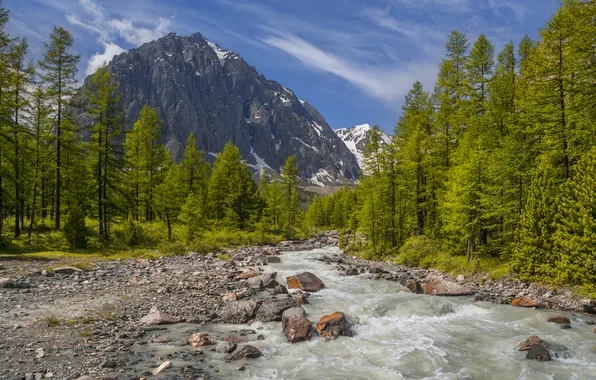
[400,335]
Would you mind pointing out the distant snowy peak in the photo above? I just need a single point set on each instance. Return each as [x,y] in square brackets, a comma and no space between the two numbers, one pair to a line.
[222,54]
[356,139]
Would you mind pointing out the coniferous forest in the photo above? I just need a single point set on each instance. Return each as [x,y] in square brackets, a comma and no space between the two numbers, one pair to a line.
[69,185]
[494,166]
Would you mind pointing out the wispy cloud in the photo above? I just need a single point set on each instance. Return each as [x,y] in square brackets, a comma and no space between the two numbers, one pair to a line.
[107,28]
[382,83]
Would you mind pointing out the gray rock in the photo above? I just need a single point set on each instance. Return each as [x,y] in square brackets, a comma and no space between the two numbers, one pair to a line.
[238,312]
[156,317]
[67,270]
[273,259]
[272,309]
[438,286]
[109,364]
[245,352]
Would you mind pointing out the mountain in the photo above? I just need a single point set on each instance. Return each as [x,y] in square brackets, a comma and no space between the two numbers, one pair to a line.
[200,88]
[356,138]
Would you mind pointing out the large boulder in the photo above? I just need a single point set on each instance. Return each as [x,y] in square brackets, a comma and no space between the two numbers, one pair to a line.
[238,312]
[541,350]
[245,352]
[438,286]
[272,309]
[295,325]
[156,317]
[333,325]
[266,281]
[305,281]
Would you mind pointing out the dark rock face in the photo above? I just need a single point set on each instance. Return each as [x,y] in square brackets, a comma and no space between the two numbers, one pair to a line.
[200,88]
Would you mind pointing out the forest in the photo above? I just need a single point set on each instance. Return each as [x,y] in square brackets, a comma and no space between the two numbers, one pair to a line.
[495,166]
[72,185]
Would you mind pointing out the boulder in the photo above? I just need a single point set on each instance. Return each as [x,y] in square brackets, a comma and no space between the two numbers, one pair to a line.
[414,286]
[245,352]
[14,284]
[272,309]
[67,270]
[525,302]
[589,306]
[565,326]
[295,325]
[200,340]
[263,281]
[438,286]
[538,349]
[280,289]
[351,271]
[301,298]
[238,312]
[156,317]
[305,281]
[273,259]
[559,319]
[333,325]
[248,274]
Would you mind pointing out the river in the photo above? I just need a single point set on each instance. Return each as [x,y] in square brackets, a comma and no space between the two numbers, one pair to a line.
[400,335]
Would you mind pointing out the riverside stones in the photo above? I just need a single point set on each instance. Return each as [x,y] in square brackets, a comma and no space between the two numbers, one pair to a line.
[525,302]
[305,281]
[156,317]
[272,309]
[414,286]
[163,366]
[438,286]
[245,352]
[589,306]
[264,281]
[301,298]
[67,270]
[333,325]
[541,350]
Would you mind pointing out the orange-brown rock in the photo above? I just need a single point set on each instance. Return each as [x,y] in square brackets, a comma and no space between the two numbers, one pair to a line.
[525,302]
[295,325]
[559,319]
[246,275]
[305,281]
[200,340]
[333,325]
[301,299]
[527,344]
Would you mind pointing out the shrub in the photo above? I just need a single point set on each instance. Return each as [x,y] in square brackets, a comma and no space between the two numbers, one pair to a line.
[419,251]
[172,248]
[75,229]
[132,231]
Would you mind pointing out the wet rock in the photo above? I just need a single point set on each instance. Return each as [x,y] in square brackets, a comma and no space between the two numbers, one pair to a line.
[265,281]
[301,298]
[156,317]
[67,270]
[539,352]
[589,306]
[238,312]
[438,286]
[273,259]
[272,309]
[333,325]
[305,281]
[554,350]
[200,340]
[163,366]
[351,271]
[280,289]
[414,286]
[565,326]
[47,273]
[227,348]
[295,325]
[245,352]
[525,302]
[559,319]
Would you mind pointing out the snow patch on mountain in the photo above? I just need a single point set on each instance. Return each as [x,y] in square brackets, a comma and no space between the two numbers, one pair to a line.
[356,138]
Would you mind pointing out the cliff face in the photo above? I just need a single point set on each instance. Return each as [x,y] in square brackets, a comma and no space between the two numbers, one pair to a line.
[356,139]
[200,88]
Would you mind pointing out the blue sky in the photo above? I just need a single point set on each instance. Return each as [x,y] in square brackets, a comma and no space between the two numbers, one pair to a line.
[352,59]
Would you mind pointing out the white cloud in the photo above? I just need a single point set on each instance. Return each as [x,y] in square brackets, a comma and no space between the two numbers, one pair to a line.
[387,84]
[108,29]
[100,59]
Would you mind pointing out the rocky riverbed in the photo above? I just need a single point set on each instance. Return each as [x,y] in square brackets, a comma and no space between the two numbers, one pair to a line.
[106,322]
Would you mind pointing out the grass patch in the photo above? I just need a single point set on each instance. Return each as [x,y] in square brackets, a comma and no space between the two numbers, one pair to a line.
[224,257]
[52,321]
[84,333]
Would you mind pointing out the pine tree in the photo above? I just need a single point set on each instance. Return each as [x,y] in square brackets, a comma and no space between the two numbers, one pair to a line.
[170,194]
[59,69]
[289,179]
[195,171]
[5,121]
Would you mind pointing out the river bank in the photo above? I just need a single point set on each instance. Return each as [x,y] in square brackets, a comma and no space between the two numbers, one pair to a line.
[67,323]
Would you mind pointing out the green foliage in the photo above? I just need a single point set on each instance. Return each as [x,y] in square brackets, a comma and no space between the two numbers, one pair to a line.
[75,228]
[418,251]
[132,231]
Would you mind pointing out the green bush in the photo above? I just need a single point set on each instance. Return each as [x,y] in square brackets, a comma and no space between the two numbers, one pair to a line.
[172,248]
[419,251]
[75,229]
[132,231]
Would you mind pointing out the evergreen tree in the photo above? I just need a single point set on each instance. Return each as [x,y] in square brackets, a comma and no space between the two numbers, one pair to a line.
[170,194]
[59,69]
[290,179]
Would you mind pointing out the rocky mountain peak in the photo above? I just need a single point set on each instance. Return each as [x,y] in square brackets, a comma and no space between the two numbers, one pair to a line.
[356,139]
